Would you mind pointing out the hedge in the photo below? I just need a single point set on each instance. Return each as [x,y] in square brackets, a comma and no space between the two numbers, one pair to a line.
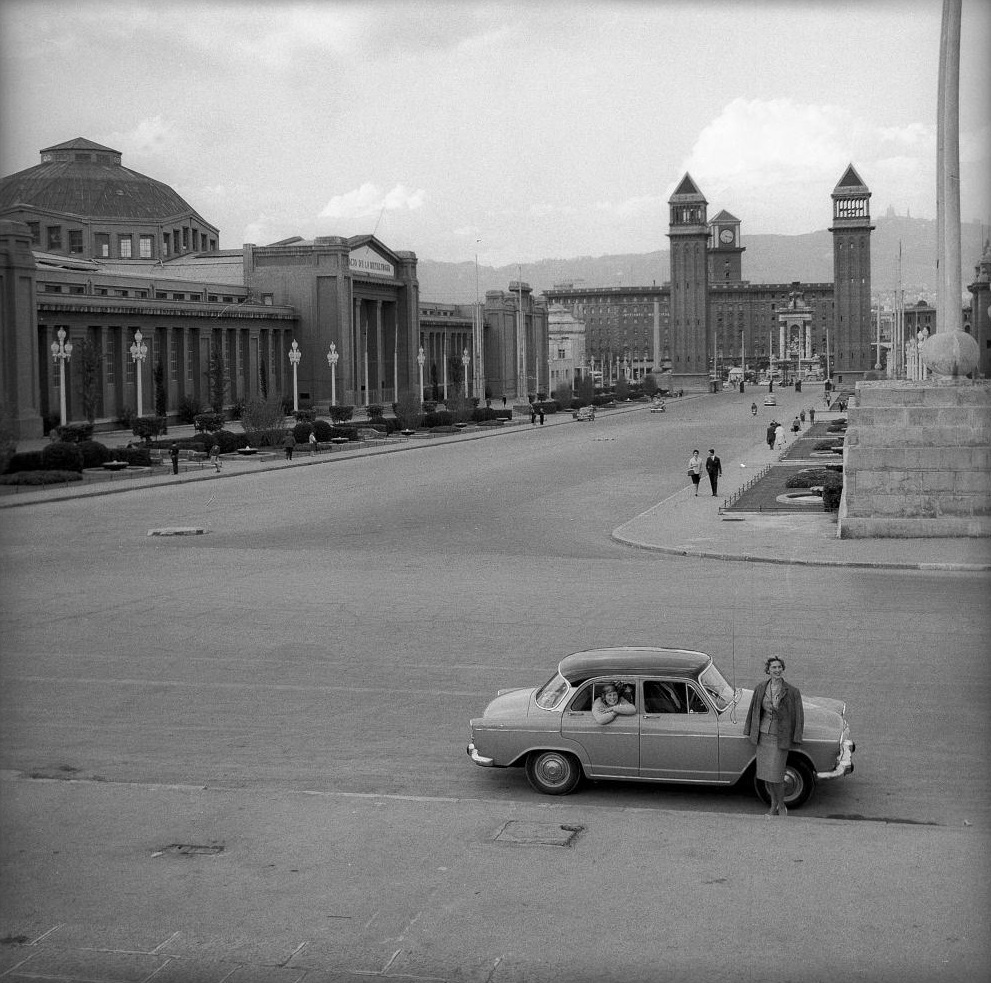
[62,457]
[74,433]
[209,422]
[41,477]
[25,461]
[95,454]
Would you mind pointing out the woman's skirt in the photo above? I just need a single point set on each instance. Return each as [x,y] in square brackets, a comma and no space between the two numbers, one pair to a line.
[771,759]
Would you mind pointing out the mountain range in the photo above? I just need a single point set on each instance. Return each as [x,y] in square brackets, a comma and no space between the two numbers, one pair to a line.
[898,244]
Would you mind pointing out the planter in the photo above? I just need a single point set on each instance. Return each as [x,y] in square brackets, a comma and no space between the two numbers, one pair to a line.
[247,451]
[114,465]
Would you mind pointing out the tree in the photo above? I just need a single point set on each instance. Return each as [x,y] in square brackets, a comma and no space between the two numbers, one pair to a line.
[217,375]
[88,360]
[585,389]
[562,394]
[161,394]
[649,385]
[408,410]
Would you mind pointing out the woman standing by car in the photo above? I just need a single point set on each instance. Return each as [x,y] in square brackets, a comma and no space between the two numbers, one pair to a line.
[775,722]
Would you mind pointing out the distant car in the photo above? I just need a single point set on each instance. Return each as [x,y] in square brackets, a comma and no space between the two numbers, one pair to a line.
[549,730]
[770,400]
[657,406]
[584,413]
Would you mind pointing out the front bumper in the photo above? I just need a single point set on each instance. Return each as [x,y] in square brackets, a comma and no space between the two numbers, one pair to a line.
[478,758]
[844,766]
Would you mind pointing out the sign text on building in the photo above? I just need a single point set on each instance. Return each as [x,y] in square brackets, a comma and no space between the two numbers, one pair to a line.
[366,260]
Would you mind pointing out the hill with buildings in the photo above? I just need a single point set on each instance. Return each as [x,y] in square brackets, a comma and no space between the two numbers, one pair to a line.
[768,259]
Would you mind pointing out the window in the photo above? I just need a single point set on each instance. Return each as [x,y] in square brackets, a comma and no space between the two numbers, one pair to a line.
[75,240]
[166,240]
[145,247]
[35,228]
[174,362]
[178,296]
[124,246]
[666,696]
[185,239]
[111,359]
[54,236]
[102,245]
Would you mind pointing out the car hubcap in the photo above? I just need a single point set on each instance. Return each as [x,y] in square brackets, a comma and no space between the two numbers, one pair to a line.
[793,784]
[553,770]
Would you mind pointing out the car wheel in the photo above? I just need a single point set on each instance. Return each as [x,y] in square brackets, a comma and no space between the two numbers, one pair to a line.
[553,772]
[799,785]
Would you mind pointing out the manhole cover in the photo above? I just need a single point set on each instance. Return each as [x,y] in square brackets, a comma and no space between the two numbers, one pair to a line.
[189,850]
[540,834]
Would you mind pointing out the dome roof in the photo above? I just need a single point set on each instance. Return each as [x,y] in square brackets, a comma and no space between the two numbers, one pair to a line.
[85,179]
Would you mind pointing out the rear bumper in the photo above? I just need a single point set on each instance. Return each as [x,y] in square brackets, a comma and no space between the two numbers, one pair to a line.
[478,758]
[843,766]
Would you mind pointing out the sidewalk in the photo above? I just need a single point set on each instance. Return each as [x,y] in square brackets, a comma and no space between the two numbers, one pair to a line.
[682,524]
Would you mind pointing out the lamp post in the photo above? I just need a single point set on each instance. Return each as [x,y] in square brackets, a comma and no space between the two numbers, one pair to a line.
[420,359]
[332,357]
[466,361]
[294,356]
[139,351]
[61,353]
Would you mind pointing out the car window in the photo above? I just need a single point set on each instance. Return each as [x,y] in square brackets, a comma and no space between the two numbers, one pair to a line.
[551,693]
[721,692]
[664,696]
[696,704]
[582,700]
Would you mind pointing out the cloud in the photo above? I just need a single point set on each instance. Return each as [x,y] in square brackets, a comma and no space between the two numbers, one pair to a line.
[370,200]
[150,136]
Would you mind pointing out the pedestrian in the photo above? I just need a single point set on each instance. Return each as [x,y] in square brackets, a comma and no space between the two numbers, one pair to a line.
[174,454]
[713,468]
[533,415]
[215,456]
[796,425]
[779,437]
[540,413]
[753,408]
[770,434]
[503,399]
[695,470]
[801,416]
[312,439]
[812,415]
[775,724]
[288,444]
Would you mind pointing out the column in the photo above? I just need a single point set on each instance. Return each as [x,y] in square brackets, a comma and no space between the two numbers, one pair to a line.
[379,355]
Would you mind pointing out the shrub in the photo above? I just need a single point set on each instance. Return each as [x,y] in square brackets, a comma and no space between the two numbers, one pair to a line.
[340,414]
[209,421]
[188,409]
[125,419]
[24,461]
[302,432]
[439,418]
[808,477]
[236,409]
[832,491]
[408,411]
[95,454]
[305,416]
[375,411]
[263,414]
[347,432]
[229,442]
[323,430]
[483,414]
[827,445]
[147,427]
[269,437]
[40,477]
[75,433]
[135,457]
[62,457]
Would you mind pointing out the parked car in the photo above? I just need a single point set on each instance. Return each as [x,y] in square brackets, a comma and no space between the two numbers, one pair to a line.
[584,413]
[770,400]
[550,731]
[657,406]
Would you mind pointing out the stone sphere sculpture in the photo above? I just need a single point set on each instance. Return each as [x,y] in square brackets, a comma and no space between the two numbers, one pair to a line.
[950,354]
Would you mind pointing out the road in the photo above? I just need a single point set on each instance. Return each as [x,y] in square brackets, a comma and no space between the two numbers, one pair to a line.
[337,625]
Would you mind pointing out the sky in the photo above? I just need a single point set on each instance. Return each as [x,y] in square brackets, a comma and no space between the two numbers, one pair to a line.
[506,132]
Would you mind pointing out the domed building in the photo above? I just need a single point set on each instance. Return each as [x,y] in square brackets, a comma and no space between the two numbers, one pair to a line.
[81,201]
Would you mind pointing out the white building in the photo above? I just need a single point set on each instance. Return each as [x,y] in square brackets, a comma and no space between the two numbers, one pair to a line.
[565,347]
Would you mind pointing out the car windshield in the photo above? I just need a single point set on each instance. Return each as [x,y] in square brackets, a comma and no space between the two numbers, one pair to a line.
[549,695]
[721,692]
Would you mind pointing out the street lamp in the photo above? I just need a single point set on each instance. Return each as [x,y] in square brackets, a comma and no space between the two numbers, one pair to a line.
[420,359]
[61,353]
[466,361]
[139,351]
[332,357]
[294,356]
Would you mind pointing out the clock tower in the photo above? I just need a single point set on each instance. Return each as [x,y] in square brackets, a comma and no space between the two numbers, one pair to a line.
[689,235]
[725,251]
[851,336]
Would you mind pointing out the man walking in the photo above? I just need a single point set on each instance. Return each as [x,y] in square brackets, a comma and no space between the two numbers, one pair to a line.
[812,415]
[713,468]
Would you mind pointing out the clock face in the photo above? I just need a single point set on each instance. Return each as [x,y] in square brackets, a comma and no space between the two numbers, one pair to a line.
[726,235]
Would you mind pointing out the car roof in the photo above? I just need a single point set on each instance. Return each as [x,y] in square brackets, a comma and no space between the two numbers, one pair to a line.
[579,666]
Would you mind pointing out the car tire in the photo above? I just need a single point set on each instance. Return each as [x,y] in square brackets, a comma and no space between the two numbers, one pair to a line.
[553,772]
[800,782]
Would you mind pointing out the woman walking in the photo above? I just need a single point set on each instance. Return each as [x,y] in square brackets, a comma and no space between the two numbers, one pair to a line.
[695,469]
[775,722]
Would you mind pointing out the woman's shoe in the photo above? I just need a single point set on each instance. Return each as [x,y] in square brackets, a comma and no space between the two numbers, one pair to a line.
[783,810]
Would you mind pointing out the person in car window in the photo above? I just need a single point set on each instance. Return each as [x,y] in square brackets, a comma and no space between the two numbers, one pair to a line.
[609,705]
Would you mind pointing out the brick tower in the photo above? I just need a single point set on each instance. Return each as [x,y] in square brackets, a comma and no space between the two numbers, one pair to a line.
[689,235]
[851,336]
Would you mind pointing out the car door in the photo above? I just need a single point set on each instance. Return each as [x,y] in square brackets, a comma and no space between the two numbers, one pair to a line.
[679,733]
[613,749]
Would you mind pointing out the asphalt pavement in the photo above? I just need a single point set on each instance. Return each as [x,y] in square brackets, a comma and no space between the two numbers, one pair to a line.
[114,882]
[683,524]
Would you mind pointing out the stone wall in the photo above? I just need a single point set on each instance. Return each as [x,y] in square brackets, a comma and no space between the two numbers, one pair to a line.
[917,460]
